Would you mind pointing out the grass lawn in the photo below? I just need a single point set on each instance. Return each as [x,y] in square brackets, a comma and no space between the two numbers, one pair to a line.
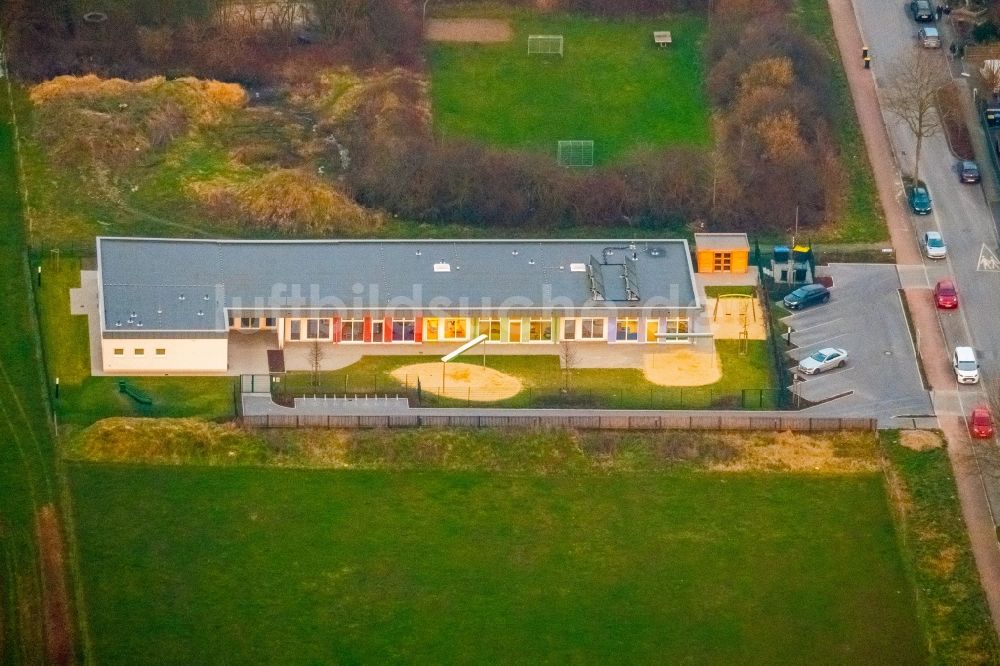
[201,565]
[863,220]
[612,85]
[544,382]
[950,598]
[84,399]
[28,478]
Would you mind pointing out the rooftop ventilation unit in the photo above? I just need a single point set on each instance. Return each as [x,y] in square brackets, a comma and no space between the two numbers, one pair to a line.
[578,267]
[655,251]
[442,267]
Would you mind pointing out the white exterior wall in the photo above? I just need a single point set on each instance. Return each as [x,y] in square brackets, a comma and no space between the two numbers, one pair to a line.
[180,355]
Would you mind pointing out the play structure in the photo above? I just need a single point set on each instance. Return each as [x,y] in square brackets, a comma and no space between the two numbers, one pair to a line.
[738,314]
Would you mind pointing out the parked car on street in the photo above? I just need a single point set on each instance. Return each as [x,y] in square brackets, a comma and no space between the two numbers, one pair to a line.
[934,245]
[806,295]
[922,10]
[929,38]
[920,200]
[968,172]
[946,295]
[823,360]
[965,364]
[981,422]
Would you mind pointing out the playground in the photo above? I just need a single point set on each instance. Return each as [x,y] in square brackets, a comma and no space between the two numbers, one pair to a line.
[736,317]
[682,367]
[460,380]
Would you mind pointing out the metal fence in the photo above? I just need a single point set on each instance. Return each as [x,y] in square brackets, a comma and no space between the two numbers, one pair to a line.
[667,397]
[586,422]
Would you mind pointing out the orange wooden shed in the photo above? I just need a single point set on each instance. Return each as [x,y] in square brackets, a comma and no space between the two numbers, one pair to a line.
[722,253]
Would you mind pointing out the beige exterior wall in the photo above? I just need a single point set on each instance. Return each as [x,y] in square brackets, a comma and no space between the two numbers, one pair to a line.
[178,355]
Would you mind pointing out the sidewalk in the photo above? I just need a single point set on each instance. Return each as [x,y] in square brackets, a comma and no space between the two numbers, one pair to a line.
[930,339]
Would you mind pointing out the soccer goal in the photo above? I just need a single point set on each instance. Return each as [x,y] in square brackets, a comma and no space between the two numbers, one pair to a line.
[545,44]
[576,153]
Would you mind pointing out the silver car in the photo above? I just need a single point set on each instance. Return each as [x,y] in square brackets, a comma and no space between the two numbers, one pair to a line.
[929,38]
[934,245]
[823,360]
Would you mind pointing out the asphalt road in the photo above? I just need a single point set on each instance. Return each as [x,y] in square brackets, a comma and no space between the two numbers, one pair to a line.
[964,215]
[961,212]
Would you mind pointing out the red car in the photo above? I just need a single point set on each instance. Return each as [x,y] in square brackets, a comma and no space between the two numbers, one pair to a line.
[946,295]
[981,423]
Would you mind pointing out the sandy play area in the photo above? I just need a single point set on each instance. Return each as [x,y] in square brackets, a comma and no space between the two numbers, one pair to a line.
[462,380]
[468,30]
[682,367]
[727,321]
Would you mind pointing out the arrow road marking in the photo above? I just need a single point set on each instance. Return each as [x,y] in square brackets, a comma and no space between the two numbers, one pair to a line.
[988,260]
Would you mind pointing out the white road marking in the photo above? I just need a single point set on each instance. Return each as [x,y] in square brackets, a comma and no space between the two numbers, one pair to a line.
[988,260]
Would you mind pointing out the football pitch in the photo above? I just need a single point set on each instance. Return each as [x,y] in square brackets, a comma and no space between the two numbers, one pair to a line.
[612,86]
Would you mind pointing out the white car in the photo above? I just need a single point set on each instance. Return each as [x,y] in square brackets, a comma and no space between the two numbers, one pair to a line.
[823,360]
[934,245]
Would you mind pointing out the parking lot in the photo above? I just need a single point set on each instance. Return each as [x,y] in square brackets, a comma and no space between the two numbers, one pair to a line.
[865,317]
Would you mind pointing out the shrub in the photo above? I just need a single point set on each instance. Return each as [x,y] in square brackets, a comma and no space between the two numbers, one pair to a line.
[288,201]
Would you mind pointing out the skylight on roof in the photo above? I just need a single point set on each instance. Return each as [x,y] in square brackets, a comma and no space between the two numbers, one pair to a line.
[578,268]
[442,267]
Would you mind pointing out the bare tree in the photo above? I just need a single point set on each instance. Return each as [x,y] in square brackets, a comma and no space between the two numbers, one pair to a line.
[990,75]
[913,82]
[567,354]
[316,361]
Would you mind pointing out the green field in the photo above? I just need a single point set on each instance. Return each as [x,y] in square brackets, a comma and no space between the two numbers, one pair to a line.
[28,478]
[255,565]
[612,85]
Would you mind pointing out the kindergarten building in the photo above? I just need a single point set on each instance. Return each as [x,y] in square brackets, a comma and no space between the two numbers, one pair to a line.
[176,306]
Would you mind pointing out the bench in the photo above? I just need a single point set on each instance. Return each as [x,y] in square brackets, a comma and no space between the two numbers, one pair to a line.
[662,37]
[134,393]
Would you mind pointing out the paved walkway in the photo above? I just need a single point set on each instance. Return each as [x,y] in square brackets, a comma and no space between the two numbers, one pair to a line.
[930,340]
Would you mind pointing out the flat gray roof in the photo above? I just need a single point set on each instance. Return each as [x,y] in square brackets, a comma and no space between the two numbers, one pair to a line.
[150,284]
[721,241]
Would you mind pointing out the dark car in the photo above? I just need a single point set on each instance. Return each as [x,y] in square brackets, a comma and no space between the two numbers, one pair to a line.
[807,295]
[920,200]
[968,172]
[946,295]
[922,11]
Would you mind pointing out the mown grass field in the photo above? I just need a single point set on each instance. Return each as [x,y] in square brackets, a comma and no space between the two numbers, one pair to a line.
[612,86]
[200,565]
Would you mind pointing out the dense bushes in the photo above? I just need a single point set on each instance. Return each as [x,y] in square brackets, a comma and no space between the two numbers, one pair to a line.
[209,39]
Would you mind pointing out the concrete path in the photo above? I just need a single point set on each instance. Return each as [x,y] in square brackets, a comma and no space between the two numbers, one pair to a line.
[930,340]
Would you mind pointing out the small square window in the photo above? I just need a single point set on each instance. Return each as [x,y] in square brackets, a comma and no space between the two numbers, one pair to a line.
[270,322]
[119,351]
[160,351]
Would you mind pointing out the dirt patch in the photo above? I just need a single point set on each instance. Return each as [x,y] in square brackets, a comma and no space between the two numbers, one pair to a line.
[920,440]
[461,380]
[798,452]
[733,316]
[682,367]
[55,596]
[468,30]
